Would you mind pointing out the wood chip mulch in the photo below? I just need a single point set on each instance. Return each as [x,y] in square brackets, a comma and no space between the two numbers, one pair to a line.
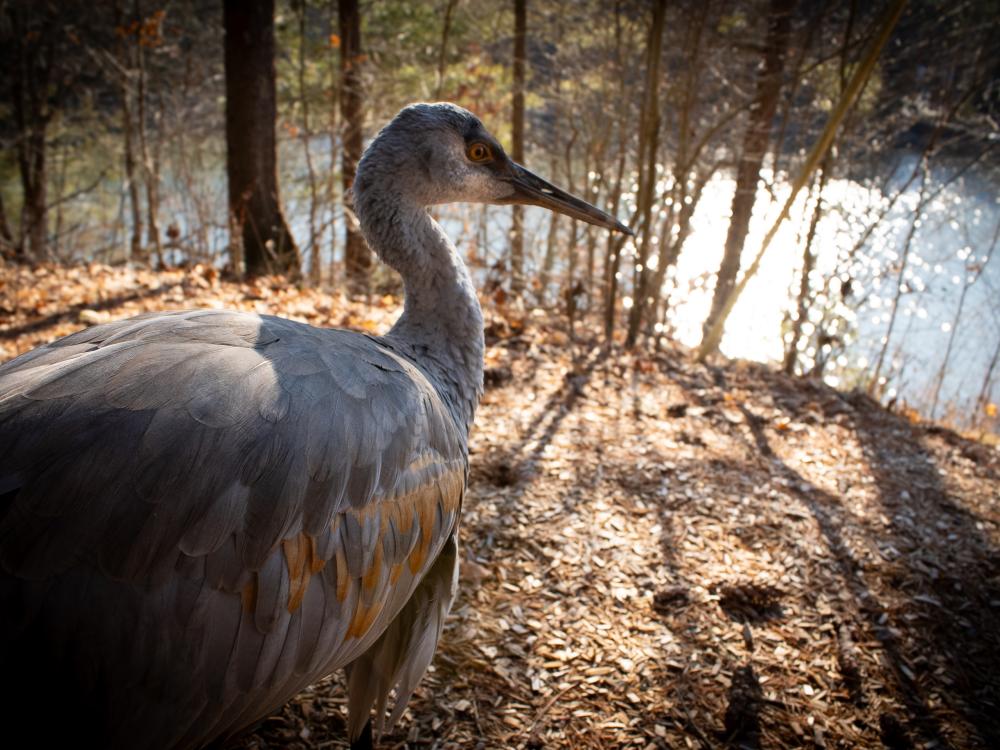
[659,554]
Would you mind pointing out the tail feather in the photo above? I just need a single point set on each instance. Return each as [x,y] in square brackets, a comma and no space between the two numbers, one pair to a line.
[402,654]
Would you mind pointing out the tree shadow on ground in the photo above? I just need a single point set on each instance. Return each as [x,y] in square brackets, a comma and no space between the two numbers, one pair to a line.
[931,605]
[734,717]
[515,462]
[925,593]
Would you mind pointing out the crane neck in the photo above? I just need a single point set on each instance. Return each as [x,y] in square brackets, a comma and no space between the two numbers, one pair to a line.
[441,328]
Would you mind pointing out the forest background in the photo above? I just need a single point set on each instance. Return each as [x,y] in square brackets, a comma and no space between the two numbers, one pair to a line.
[850,148]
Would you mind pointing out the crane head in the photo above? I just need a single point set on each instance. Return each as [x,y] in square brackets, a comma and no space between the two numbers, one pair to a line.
[452,158]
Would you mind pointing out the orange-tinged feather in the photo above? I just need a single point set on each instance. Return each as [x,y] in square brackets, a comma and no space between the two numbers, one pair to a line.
[248,596]
[418,557]
[363,618]
[318,563]
[404,512]
[300,556]
[342,580]
[394,572]
[426,506]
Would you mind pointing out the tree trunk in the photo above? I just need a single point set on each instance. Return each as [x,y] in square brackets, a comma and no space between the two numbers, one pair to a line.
[6,236]
[968,283]
[755,142]
[573,288]
[30,83]
[613,255]
[151,171]
[333,131]
[681,208]
[545,275]
[984,392]
[357,256]
[442,65]
[808,257]
[62,162]
[517,146]
[648,142]
[670,250]
[135,244]
[595,160]
[34,211]
[313,246]
[713,334]
[131,184]
[874,386]
[808,264]
[251,109]
[591,235]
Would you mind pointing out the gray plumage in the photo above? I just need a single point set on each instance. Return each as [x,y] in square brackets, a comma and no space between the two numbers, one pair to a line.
[203,512]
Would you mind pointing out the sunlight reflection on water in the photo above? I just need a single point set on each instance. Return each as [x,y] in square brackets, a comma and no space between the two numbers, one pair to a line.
[953,235]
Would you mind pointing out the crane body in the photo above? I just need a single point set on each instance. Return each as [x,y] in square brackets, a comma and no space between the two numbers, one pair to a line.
[203,512]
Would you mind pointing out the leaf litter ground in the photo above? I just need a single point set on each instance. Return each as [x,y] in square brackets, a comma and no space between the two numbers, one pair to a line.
[659,554]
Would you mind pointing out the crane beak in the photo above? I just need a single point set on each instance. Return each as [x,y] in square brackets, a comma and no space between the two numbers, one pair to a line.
[532,190]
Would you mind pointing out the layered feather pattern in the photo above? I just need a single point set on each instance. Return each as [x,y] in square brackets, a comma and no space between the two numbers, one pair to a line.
[203,512]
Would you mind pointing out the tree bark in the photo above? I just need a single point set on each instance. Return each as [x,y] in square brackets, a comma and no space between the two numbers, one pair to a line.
[333,130]
[808,264]
[150,169]
[592,191]
[6,236]
[969,282]
[131,184]
[670,249]
[681,209]
[779,23]
[545,274]
[517,146]
[690,175]
[649,129]
[442,64]
[135,244]
[313,246]
[34,211]
[35,53]
[613,253]
[357,256]
[615,242]
[251,158]
[874,386]
[573,287]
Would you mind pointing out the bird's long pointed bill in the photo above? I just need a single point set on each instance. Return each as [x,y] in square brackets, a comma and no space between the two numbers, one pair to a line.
[532,190]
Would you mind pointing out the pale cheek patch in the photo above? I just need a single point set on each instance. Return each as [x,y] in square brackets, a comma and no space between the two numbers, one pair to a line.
[483,188]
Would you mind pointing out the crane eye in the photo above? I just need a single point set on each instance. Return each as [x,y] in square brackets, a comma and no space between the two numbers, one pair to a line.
[479,152]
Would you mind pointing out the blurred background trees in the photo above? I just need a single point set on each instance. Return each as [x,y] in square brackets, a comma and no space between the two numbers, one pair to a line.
[692,120]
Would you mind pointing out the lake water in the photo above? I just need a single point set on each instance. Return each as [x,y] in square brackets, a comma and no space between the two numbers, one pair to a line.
[951,243]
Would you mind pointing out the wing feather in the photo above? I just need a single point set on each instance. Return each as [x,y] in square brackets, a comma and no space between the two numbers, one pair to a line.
[405,649]
[256,499]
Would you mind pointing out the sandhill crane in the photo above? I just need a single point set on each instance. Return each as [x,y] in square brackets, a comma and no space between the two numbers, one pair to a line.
[203,512]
